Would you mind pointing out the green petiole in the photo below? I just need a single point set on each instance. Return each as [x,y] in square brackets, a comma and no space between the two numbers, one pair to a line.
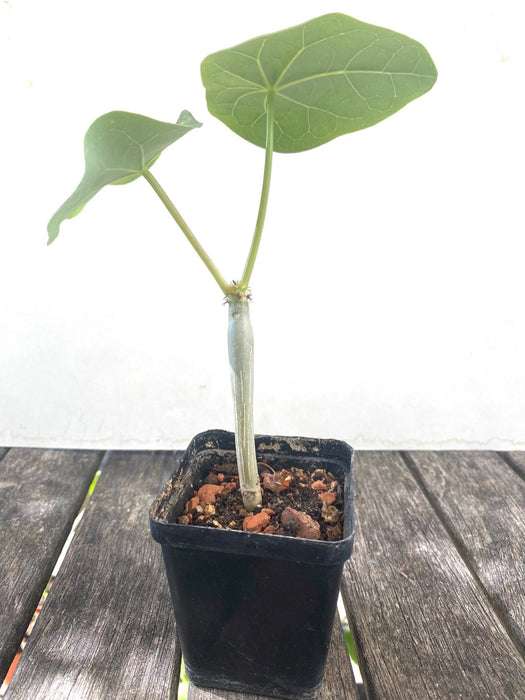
[242,286]
[263,204]
[225,287]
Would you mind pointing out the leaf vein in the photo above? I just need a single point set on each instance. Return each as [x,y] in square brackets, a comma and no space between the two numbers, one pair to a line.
[240,77]
[314,108]
[260,65]
[316,76]
[365,48]
[308,46]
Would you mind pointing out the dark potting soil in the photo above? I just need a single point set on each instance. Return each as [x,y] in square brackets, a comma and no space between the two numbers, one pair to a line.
[295,503]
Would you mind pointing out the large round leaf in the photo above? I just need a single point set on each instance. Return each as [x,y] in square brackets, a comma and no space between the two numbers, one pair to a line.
[119,147]
[327,77]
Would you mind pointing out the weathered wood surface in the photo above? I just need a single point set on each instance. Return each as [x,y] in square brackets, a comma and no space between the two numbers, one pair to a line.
[422,624]
[41,493]
[482,504]
[338,684]
[516,460]
[106,630]
[434,589]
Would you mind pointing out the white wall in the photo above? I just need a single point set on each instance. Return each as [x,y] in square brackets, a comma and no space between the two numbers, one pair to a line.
[389,293]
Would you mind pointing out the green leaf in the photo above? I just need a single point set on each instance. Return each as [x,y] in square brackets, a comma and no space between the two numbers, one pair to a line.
[327,77]
[118,148]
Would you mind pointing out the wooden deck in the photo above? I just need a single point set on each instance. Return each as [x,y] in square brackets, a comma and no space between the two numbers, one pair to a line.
[435,589]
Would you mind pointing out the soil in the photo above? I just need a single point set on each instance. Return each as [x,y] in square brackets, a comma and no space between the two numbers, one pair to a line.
[295,503]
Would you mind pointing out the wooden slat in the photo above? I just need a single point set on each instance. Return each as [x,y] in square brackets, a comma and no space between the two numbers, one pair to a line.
[423,627]
[338,683]
[41,492]
[516,460]
[106,629]
[482,502]
[339,679]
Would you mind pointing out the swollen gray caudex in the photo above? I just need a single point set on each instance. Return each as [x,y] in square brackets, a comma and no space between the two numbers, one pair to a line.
[240,353]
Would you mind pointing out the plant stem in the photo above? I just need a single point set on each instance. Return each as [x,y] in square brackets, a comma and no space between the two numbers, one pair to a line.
[225,287]
[240,352]
[263,204]
[240,343]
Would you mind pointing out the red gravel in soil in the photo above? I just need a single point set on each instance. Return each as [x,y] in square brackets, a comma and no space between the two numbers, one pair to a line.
[295,503]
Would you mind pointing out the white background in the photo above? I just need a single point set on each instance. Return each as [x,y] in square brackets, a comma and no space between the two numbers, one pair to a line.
[389,293]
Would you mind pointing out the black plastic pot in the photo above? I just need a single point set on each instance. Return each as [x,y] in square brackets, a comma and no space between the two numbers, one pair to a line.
[254,612]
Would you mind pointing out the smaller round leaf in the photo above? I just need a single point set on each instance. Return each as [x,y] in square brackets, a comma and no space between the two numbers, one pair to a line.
[118,148]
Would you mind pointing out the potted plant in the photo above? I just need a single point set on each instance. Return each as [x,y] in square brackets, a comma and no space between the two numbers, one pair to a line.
[254,610]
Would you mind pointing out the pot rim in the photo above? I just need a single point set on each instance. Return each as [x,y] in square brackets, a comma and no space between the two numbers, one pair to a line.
[317,552]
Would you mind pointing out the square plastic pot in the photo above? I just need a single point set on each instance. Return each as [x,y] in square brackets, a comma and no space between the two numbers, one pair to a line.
[254,612]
